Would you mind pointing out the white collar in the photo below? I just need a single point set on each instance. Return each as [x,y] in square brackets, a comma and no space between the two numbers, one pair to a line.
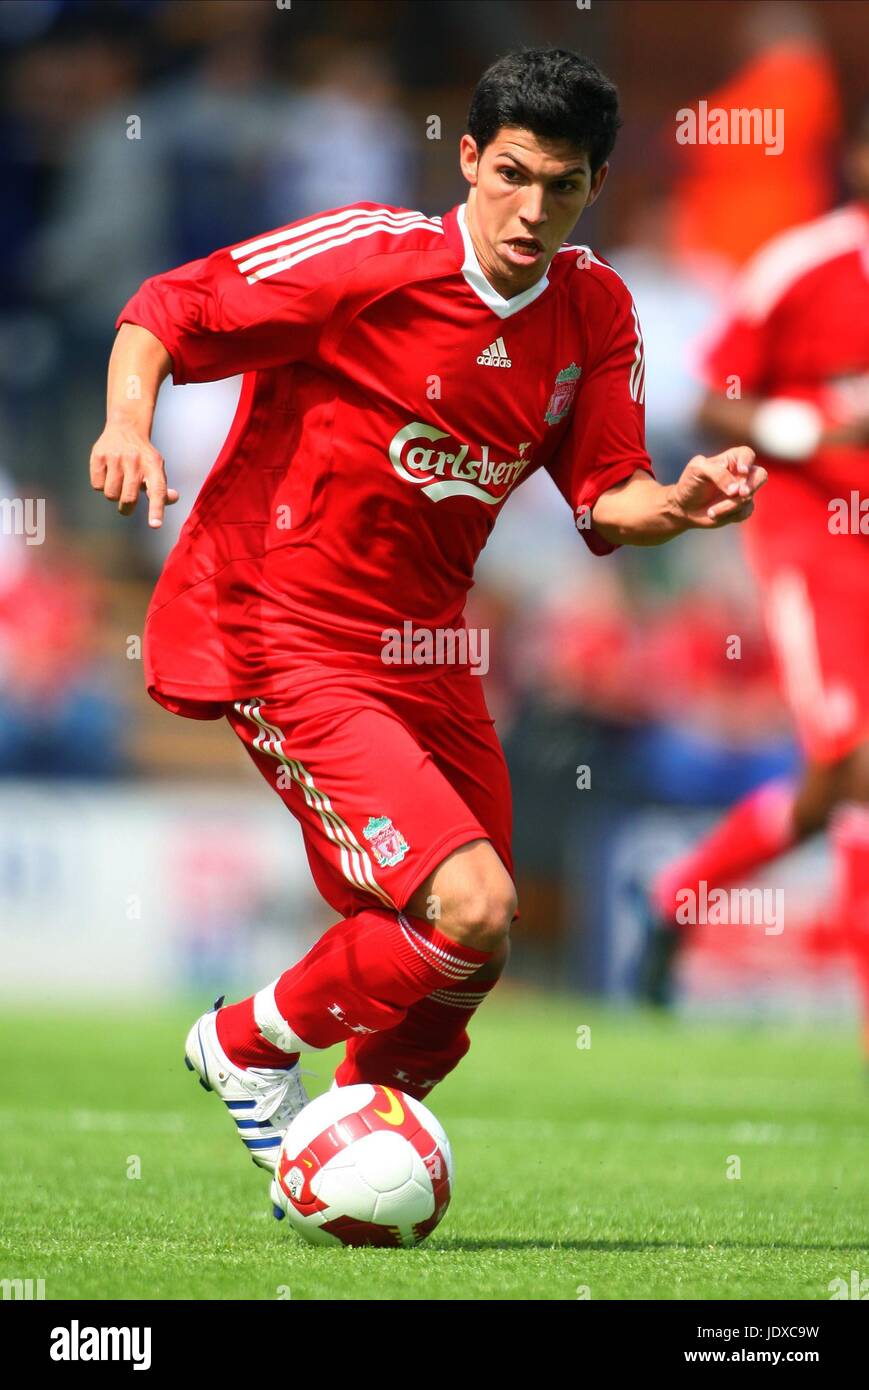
[481,286]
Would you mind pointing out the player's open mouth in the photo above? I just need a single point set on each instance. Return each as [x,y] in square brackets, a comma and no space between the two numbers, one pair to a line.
[524,250]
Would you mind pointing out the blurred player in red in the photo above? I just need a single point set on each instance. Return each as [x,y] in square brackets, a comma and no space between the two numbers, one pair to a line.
[403,374]
[790,372]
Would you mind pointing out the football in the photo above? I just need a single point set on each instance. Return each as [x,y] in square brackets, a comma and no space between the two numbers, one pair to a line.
[364,1165]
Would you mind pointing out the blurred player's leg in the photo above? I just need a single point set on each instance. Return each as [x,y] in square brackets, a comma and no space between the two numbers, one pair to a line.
[765,824]
[756,830]
[814,597]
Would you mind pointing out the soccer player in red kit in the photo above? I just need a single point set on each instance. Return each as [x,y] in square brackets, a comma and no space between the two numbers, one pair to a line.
[789,370]
[403,374]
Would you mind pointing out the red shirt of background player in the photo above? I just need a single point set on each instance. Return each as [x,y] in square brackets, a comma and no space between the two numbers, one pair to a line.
[800,329]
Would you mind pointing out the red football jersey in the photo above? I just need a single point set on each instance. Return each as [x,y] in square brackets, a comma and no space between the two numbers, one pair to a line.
[392,401]
[800,328]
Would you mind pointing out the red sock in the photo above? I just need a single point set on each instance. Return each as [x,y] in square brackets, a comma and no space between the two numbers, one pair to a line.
[757,829]
[360,977]
[242,1041]
[430,1041]
[850,838]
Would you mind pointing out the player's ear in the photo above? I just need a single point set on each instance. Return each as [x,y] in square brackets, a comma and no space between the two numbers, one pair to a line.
[469,158]
[597,183]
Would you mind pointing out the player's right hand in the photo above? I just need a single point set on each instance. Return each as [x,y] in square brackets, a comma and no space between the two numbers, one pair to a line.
[123,462]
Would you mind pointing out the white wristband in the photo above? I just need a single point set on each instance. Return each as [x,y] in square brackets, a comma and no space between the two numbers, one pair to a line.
[787,429]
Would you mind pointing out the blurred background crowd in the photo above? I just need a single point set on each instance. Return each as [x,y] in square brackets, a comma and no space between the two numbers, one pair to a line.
[246,114]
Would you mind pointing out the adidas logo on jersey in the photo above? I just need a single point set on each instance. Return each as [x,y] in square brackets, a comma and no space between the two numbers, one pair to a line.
[495,355]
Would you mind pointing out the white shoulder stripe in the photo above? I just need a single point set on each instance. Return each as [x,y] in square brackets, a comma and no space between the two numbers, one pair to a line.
[637,378]
[298,257]
[313,224]
[286,247]
[295,241]
[783,261]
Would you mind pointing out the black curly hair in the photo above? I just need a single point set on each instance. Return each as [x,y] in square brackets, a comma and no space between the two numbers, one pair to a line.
[556,94]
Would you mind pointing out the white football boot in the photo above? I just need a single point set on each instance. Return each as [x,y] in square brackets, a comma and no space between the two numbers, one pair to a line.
[263,1101]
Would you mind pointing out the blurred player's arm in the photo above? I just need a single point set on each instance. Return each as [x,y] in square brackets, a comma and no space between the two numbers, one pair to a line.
[779,427]
[735,365]
[123,460]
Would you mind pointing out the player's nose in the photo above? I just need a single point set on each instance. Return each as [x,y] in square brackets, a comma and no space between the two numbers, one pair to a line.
[533,211]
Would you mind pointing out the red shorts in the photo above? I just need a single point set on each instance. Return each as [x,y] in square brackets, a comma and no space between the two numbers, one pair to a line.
[386,777]
[815,594]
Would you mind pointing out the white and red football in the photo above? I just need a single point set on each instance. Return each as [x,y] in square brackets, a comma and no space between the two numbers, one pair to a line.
[364,1165]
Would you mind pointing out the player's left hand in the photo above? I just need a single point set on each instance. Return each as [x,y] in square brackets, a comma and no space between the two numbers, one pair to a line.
[714,492]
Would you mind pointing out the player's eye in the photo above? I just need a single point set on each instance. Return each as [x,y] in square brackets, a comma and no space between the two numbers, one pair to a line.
[507,170]
[565,186]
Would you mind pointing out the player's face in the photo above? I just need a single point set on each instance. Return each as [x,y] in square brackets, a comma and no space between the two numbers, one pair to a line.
[526,196]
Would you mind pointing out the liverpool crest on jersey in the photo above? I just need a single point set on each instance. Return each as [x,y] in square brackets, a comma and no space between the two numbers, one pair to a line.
[563,393]
[388,844]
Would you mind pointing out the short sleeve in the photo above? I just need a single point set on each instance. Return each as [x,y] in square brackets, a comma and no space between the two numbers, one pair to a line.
[257,305]
[605,440]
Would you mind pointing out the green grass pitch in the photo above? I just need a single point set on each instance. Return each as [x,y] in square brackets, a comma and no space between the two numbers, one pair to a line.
[598,1171]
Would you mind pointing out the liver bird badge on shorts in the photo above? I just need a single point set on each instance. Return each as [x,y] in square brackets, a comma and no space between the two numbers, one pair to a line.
[563,393]
[388,844]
